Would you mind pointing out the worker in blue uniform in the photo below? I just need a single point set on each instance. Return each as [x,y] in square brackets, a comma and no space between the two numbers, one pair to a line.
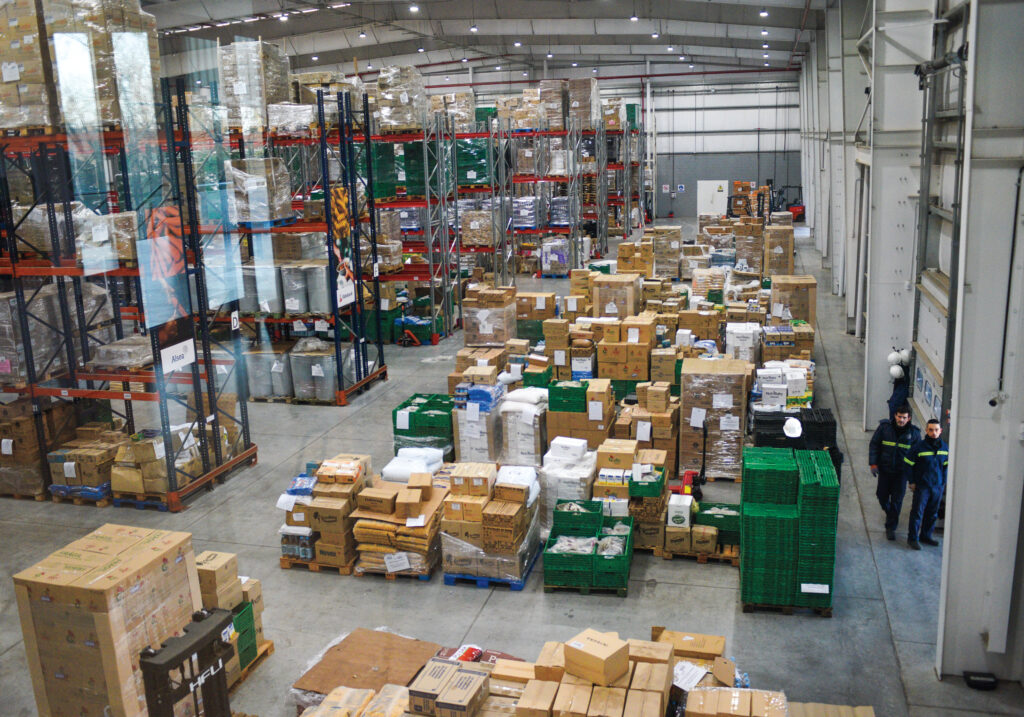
[889,447]
[928,460]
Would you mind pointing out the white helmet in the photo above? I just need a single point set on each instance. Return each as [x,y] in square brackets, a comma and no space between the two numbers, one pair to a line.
[896,371]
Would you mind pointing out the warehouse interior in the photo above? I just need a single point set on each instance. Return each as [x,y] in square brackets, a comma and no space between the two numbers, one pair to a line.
[501,180]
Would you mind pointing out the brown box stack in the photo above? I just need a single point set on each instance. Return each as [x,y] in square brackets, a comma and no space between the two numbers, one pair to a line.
[716,391]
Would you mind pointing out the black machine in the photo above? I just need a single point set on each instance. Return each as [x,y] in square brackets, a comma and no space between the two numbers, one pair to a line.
[191,667]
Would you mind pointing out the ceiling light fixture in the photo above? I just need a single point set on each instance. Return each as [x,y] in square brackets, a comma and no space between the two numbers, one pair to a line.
[575,64]
[369,66]
[691,67]
[314,58]
[671,49]
[517,43]
[362,34]
[497,67]
[465,59]
[764,12]
[765,55]
[414,8]
[199,82]
[682,57]
[419,49]
[594,70]
[655,35]
[766,64]
[474,28]
[764,45]
[447,78]
[283,18]
[634,18]
[763,31]
[550,55]
[526,74]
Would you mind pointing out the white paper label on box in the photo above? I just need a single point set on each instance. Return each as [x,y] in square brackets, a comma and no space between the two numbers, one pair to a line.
[222,369]
[729,423]
[611,308]
[776,309]
[559,357]
[277,367]
[471,174]
[9,71]
[674,245]
[517,370]
[819,588]
[397,562]
[527,152]
[7,446]
[240,88]
[417,522]
[570,303]
[662,329]
[100,234]
[69,469]
[524,212]
[321,325]
[385,304]
[777,250]
[402,420]
[542,302]
[291,303]
[404,98]
[643,430]
[159,450]
[787,314]
[697,416]
[632,336]
[582,363]
[317,370]
[298,325]
[637,471]
[473,412]
[404,215]
[474,225]
[298,516]
[376,269]
[286,501]
[482,362]
[722,400]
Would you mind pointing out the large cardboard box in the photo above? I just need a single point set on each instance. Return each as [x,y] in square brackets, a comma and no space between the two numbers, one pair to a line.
[607,702]
[550,664]
[599,657]
[537,699]
[572,700]
[429,684]
[216,570]
[89,610]
[462,696]
[690,644]
[798,294]
[643,704]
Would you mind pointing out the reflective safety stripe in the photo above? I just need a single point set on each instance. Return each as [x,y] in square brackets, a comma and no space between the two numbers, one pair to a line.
[922,454]
[942,453]
[945,463]
[904,445]
[908,461]
[888,443]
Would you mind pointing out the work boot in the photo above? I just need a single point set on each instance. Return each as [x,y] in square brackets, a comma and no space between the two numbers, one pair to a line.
[914,545]
[929,541]
[890,534]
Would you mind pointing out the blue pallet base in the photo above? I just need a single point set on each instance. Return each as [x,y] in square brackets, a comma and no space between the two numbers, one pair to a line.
[554,276]
[140,504]
[513,585]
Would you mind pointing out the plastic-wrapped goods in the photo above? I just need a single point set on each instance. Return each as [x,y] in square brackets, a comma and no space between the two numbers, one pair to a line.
[260,189]
[409,219]
[778,250]
[708,280]
[252,74]
[613,112]
[584,102]
[27,93]
[314,370]
[460,556]
[318,296]
[706,220]
[389,255]
[568,473]
[293,288]
[667,247]
[476,228]
[558,164]
[269,292]
[718,237]
[389,225]
[559,208]
[554,255]
[553,95]
[526,212]
[471,157]
[402,98]
[714,393]
[130,352]
[460,105]
[33,233]
[293,118]
[488,323]
[477,435]
[270,373]
[743,341]
[749,253]
[248,302]
[524,432]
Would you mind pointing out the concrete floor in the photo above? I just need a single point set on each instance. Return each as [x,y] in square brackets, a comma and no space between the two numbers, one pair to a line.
[877,650]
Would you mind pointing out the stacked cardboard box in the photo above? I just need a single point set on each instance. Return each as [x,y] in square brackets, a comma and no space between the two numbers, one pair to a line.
[553,97]
[655,421]
[139,464]
[20,452]
[424,420]
[489,316]
[402,98]
[556,347]
[253,74]
[469,357]
[794,297]
[460,105]
[714,396]
[584,103]
[221,588]
[447,688]
[89,610]
[667,244]
[636,257]
[476,228]
[624,352]
[616,295]
[749,244]
[778,250]
[592,413]
[613,113]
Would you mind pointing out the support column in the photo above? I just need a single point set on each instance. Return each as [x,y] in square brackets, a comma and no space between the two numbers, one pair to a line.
[836,138]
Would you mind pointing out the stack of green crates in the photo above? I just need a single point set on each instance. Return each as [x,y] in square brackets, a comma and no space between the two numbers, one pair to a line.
[471,159]
[818,506]
[426,421]
[769,537]
[482,114]
[537,380]
[568,396]
[728,525]
[385,170]
[530,329]
[410,172]
[633,116]
[569,569]
[245,625]
[769,476]
[622,388]
[612,571]
[387,324]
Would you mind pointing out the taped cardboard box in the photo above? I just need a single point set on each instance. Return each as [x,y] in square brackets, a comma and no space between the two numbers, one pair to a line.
[599,657]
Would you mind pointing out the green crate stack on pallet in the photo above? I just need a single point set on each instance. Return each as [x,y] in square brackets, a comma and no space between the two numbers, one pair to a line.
[245,625]
[569,396]
[471,159]
[724,516]
[612,571]
[538,379]
[409,172]
[769,476]
[385,170]
[530,329]
[769,545]
[425,420]
[818,506]
[482,114]
[387,324]
[572,569]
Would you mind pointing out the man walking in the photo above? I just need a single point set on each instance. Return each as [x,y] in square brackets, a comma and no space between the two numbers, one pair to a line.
[928,460]
[889,447]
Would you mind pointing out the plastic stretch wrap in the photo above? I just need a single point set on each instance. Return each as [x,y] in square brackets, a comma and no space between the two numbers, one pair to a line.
[667,249]
[25,479]
[297,119]
[476,228]
[521,476]
[248,302]
[558,165]
[47,344]
[554,255]
[34,229]
[477,438]
[442,443]
[559,211]
[130,352]
[409,220]
[293,288]
[528,161]
[553,94]
[714,392]
[260,189]
[564,478]
[314,370]
[389,226]
[613,113]
[524,433]
[269,293]
[527,212]
[317,291]
[749,254]
[584,102]
[105,239]
[471,155]
[490,325]
[718,240]
[743,341]
[401,97]
[270,373]
[712,279]
[460,105]
[253,74]
[389,254]
[412,460]
[465,558]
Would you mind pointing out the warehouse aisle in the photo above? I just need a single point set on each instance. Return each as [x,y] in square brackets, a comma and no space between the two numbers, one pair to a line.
[878,649]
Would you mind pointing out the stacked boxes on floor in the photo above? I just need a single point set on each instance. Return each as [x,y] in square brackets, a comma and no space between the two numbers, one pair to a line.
[532,309]
[654,422]
[476,421]
[568,474]
[489,316]
[469,357]
[581,409]
[778,250]
[221,588]
[714,403]
[88,611]
[556,347]
[20,456]
[425,420]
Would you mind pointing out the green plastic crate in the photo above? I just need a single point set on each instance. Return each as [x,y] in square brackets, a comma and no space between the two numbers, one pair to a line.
[247,654]
[567,561]
[617,565]
[482,114]
[410,172]
[243,619]
[568,578]
[538,380]
[728,525]
[569,396]
[648,489]
[574,523]
[471,157]
[530,329]
[623,388]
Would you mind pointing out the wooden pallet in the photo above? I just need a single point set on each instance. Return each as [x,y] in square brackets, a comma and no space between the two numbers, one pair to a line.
[290,399]
[487,582]
[141,501]
[79,500]
[787,609]
[33,131]
[315,567]
[621,592]
[404,129]
[725,554]
[38,497]
[263,651]
[362,572]
[713,478]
